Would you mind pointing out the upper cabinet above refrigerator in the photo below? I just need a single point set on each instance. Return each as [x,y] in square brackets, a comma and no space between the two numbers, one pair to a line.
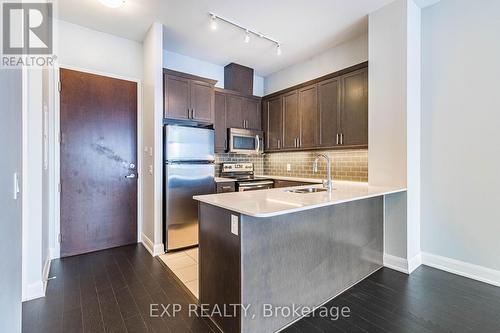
[188,97]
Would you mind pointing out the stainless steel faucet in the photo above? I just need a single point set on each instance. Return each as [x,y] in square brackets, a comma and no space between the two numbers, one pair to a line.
[328,182]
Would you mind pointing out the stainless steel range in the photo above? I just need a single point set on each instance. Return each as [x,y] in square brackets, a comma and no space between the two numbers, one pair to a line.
[245,178]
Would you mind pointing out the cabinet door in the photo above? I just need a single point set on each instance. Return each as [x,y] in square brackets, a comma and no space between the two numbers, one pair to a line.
[274,118]
[234,117]
[251,113]
[329,104]
[220,123]
[308,106]
[176,97]
[202,101]
[354,114]
[291,121]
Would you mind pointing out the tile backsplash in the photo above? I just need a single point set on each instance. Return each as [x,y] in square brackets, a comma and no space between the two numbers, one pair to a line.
[346,164]
[257,160]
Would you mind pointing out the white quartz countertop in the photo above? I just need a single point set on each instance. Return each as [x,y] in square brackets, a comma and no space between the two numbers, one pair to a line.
[272,202]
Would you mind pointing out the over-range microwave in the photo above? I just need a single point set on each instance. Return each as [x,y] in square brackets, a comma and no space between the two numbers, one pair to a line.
[245,141]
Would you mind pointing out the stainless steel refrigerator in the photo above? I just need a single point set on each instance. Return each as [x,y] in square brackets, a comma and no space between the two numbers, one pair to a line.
[189,171]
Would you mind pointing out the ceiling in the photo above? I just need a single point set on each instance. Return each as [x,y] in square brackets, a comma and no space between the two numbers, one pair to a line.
[304,28]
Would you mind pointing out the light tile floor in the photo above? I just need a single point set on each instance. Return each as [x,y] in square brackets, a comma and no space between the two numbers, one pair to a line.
[184,264]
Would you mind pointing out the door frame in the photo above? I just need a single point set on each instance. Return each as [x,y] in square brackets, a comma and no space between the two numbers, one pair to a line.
[57,149]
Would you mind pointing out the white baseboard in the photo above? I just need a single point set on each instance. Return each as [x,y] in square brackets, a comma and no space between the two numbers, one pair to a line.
[414,263]
[475,272]
[396,263]
[45,275]
[34,290]
[154,249]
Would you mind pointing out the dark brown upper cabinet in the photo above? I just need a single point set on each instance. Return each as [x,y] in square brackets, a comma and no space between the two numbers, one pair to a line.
[291,120]
[309,117]
[273,118]
[329,105]
[354,109]
[188,97]
[234,110]
[251,113]
[220,123]
[234,106]
[328,112]
[238,78]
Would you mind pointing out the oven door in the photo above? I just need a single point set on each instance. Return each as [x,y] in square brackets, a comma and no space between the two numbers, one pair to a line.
[253,186]
[243,141]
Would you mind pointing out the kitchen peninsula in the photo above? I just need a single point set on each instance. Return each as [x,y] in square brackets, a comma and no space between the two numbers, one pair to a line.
[286,247]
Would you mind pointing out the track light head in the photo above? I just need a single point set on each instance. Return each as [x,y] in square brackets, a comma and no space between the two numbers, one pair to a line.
[213,22]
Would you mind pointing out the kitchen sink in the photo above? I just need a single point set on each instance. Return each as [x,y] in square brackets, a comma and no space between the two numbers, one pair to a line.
[307,190]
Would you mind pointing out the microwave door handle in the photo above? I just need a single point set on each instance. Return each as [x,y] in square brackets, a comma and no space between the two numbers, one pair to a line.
[257,144]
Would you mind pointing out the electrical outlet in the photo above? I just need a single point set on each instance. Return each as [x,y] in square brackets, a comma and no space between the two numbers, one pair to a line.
[288,167]
[234,224]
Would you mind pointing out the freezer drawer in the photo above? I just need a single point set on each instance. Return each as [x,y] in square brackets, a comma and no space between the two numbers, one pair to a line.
[188,144]
[183,181]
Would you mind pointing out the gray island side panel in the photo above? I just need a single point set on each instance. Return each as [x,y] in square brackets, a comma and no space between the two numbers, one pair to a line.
[307,258]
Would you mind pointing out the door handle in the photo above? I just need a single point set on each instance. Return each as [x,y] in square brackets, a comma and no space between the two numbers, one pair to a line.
[131,176]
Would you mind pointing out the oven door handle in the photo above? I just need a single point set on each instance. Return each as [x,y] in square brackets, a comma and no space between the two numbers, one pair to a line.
[243,188]
[257,144]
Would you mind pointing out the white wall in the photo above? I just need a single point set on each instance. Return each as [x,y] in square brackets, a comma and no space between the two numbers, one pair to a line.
[35,213]
[90,49]
[394,123]
[152,150]
[460,131]
[182,63]
[344,55]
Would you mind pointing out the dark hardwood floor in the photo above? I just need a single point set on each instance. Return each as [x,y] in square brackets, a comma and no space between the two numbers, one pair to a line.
[111,291]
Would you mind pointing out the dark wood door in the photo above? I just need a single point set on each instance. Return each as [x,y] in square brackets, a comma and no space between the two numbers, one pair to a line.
[202,101]
[98,151]
[291,120]
[308,106]
[177,98]
[220,123]
[329,104]
[354,115]
[234,105]
[251,113]
[274,118]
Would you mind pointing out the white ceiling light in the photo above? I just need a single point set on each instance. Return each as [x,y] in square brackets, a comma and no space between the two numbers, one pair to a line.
[213,22]
[213,25]
[113,3]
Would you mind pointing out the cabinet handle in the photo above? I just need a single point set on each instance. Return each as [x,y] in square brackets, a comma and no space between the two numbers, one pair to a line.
[225,144]
[337,138]
[341,138]
[192,113]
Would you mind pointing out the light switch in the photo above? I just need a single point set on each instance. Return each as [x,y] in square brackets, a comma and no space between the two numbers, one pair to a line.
[288,167]
[234,224]
[17,188]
